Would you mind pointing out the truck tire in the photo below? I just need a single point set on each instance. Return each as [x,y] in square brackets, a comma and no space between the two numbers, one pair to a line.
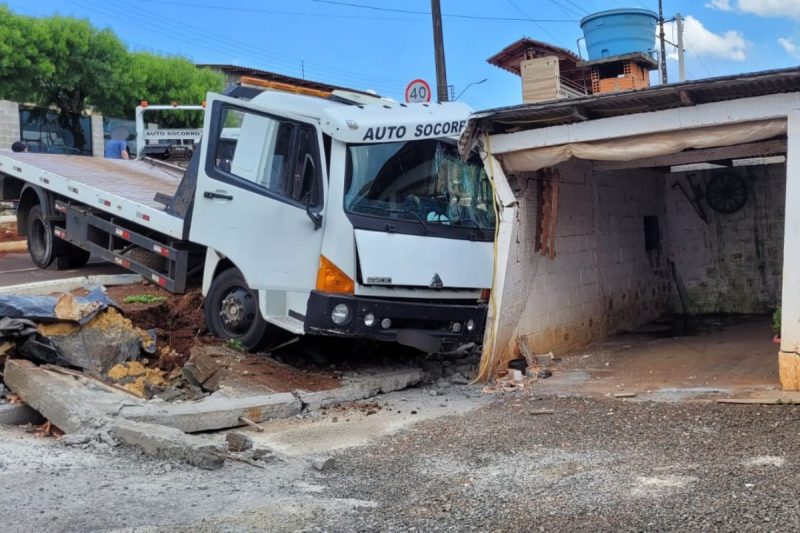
[231,311]
[41,241]
[45,248]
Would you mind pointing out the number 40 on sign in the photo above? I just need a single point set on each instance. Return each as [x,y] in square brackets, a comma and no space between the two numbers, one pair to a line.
[418,91]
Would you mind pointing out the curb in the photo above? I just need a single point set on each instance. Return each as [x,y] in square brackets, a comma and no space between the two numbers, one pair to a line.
[14,246]
[66,285]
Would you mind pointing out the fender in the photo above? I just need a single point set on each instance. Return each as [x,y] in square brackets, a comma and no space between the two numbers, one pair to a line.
[30,196]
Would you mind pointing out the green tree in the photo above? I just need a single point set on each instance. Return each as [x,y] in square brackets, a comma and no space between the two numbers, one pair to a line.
[67,63]
[62,62]
[163,80]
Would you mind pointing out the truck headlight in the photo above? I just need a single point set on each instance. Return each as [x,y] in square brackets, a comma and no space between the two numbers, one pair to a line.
[340,314]
[369,320]
[470,324]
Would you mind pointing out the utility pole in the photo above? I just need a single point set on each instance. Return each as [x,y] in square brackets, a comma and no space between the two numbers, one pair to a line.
[663,58]
[438,46]
[681,58]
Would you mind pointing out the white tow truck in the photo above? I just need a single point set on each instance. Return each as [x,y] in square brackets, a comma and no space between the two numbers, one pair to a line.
[327,214]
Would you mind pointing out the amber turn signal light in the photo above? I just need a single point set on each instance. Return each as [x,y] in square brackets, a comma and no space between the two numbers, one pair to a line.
[330,278]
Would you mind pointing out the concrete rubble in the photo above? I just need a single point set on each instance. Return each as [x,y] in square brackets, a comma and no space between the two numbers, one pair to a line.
[86,409]
[104,392]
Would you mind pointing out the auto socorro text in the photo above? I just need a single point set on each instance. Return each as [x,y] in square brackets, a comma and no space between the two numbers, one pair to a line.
[398,133]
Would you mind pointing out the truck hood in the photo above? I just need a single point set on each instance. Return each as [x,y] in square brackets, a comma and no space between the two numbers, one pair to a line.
[419,261]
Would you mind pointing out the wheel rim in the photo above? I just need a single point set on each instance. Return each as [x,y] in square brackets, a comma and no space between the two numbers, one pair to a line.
[237,311]
[38,239]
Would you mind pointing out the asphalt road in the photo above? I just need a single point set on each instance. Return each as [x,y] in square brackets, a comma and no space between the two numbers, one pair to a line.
[17,268]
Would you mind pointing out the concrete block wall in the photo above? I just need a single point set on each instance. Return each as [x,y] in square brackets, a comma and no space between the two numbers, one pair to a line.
[9,123]
[98,142]
[602,280]
[733,264]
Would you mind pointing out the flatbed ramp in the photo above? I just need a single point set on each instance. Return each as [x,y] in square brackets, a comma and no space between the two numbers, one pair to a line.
[125,188]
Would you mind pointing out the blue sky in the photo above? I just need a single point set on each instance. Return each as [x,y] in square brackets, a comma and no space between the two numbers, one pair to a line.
[384,50]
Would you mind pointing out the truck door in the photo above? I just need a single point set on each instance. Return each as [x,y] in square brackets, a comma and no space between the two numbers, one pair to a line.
[260,192]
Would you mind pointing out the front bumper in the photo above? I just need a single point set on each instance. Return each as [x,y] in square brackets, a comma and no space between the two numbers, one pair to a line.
[427,326]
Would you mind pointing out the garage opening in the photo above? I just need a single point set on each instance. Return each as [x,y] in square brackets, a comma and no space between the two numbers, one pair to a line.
[665,251]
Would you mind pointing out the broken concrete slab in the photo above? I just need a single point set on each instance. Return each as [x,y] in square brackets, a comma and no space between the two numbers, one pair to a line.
[65,285]
[18,414]
[82,408]
[238,442]
[62,399]
[217,411]
[70,403]
[169,443]
[203,369]
[362,387]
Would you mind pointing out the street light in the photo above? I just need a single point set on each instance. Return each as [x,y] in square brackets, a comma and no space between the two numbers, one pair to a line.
[467,87]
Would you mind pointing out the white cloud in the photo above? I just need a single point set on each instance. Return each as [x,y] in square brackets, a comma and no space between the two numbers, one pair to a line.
[763,8]
[704,42]
[791,48]
[720,5]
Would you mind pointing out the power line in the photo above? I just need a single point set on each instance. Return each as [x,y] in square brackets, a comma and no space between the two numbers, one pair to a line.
[698,58]
[568,10]
[580,7]
[188,33]
[515,6]
[428,13]
[267,11]
[162,26]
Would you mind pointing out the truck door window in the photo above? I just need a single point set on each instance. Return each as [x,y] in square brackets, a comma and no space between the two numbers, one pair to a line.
[255,148]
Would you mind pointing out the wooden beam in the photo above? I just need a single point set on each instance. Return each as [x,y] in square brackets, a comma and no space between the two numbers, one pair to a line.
[737,151]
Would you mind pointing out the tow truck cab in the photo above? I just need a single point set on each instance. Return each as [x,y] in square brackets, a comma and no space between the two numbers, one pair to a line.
[329,216]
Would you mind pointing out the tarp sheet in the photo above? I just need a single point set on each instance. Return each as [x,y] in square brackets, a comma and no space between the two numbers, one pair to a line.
[642,146]
[65,307]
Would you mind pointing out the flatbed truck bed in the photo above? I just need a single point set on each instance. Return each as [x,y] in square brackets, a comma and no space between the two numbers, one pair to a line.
[105,207]
[121,188]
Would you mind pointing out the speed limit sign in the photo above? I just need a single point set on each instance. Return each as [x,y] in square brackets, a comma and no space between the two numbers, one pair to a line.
[418,91]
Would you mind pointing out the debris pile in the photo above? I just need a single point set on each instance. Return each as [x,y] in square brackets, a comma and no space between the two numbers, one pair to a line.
[85,332]
[523,371]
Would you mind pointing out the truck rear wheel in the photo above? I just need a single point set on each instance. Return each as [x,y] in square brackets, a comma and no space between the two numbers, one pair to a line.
[41,241]
[44,247]
[231,310]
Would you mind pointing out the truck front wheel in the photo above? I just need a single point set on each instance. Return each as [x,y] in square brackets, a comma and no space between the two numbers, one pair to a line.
[231,310]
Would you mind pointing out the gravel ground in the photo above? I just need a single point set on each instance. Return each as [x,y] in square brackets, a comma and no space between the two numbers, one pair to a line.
[590,466]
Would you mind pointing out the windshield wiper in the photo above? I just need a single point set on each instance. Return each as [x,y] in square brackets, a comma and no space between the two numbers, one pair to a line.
[475,225]
[412,213]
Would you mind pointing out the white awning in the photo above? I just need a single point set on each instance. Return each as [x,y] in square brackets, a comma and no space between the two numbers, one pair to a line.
[642,146]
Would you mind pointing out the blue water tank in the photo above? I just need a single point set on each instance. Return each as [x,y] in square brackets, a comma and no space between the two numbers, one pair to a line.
[619,31]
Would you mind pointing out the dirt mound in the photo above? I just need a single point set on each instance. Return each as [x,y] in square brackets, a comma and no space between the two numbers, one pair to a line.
[177,318]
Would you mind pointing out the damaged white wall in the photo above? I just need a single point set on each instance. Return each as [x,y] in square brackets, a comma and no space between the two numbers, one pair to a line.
[602,279]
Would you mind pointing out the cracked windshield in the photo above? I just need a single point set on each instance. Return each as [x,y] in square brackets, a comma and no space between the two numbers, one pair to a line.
[424,181]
